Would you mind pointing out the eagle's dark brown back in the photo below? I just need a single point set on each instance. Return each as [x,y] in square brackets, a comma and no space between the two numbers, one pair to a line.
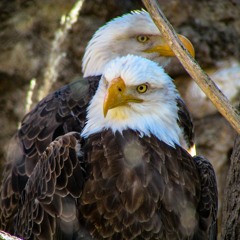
[58,113]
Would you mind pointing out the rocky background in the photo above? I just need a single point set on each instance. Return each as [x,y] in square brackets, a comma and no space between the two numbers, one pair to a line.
[39,53]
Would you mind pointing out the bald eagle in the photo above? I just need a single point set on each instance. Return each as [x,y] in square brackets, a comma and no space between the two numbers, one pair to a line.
[125,176]
[133,33]
[64,110]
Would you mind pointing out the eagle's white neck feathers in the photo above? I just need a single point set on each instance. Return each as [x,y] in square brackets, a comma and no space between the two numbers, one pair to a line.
[156,115]
[118,38]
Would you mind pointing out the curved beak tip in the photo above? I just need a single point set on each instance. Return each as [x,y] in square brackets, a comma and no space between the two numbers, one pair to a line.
[164,49]
[187,44]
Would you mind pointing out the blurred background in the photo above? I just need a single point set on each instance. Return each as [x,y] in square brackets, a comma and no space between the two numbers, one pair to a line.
[38,54]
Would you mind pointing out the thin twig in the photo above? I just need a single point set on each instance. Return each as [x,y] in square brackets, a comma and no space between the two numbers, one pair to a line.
[201,78]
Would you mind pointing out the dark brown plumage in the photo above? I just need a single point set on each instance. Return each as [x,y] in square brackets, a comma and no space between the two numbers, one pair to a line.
[60,112]
[120,198]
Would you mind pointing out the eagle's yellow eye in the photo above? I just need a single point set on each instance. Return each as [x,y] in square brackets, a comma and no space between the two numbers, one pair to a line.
[142,88]
[142,38]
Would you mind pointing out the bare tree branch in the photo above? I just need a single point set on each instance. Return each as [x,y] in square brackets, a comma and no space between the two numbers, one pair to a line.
[201,78]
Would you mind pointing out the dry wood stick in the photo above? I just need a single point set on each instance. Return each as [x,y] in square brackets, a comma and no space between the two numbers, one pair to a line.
[200,77]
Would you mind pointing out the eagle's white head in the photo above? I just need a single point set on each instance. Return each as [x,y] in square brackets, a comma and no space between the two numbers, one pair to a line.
[134,33]
[135,93]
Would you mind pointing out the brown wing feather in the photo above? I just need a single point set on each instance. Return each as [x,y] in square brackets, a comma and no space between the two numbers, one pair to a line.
[209,198]
[49,195]
[60,112]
